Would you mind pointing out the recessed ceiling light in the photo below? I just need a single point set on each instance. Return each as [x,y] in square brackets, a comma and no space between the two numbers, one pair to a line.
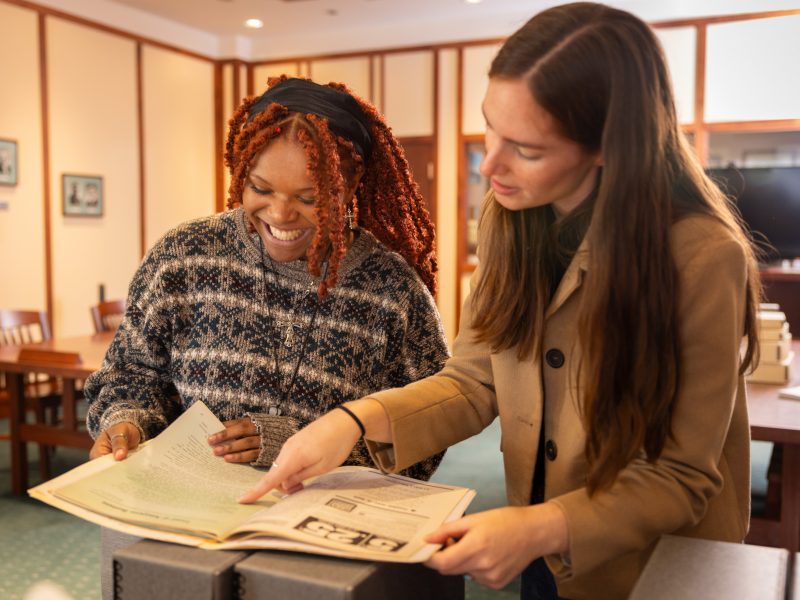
[254,23]
[473,1]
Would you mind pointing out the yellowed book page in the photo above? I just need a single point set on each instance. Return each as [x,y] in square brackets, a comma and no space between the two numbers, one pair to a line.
[361,512]
[418,551]
[174,483]
[44,493]
[174,489]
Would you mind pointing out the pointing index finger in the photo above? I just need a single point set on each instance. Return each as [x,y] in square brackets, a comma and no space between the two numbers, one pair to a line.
[272,479]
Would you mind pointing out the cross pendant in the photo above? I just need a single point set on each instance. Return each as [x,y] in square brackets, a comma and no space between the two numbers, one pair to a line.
[288,340]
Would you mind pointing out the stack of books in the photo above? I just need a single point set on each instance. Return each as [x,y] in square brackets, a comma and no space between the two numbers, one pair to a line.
[775,347]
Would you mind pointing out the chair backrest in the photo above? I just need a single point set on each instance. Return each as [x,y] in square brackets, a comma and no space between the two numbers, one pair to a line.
[107,316]
[23,327]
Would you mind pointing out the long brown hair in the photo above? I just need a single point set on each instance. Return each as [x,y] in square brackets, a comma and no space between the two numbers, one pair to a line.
[387,202]
[601,74]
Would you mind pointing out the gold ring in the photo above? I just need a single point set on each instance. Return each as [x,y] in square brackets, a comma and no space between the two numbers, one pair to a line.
[116,435]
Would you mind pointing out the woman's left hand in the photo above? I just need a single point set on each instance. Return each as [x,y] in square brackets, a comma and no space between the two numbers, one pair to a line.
[238,442]
[495,546]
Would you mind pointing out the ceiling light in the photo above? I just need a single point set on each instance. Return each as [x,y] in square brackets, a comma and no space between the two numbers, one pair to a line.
[473,1]
[254,23]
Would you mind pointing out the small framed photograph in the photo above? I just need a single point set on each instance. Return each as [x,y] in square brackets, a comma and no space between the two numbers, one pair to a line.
[8,162]
[82,195]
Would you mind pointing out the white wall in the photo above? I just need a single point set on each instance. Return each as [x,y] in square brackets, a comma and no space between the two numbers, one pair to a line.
[179,154]
[22,267]
[93,131]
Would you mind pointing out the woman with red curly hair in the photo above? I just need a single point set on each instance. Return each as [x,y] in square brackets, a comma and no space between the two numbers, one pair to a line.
[313,289]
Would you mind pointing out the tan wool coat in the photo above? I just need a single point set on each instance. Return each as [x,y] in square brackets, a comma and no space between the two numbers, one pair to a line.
[700,486]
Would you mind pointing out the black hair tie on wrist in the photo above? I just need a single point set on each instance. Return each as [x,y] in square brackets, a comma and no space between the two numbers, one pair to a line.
[355,418]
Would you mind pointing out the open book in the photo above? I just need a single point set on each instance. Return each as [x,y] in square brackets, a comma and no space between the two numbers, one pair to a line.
[175,490]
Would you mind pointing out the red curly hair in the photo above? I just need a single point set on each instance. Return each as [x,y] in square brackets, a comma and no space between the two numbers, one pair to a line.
[387,200]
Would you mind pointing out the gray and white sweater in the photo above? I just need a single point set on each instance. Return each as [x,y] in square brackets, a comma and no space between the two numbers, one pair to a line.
[208,320]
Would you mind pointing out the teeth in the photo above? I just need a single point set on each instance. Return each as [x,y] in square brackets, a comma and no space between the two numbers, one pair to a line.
[285,235]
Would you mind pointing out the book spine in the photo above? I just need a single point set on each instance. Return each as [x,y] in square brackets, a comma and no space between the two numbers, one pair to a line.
[772,373]
[775,351]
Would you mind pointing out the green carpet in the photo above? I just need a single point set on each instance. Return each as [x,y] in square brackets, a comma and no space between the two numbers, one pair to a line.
[39,543]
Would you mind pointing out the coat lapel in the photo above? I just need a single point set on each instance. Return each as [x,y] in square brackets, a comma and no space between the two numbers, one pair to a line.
[572,279]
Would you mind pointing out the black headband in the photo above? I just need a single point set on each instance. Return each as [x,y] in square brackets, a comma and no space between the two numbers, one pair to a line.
[342,112]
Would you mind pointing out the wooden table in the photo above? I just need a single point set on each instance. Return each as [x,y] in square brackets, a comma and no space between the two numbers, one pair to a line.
[70,359]
[777,420]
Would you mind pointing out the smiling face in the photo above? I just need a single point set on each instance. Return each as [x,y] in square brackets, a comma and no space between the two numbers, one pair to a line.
[279,200]
[528,161]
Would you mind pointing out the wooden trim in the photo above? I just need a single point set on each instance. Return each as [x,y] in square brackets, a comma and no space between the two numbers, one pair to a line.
[142,167]
[46,190]
[382,63]
[435,158]
[771,125]
[250,77]
[379,51]
[461,216]
[51,12]
[416,138]
[700,134]
[236,84]
[219,130]
[371,68]
[726,18]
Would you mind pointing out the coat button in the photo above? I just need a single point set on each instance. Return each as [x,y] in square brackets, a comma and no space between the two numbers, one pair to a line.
[554,358]
[550,450]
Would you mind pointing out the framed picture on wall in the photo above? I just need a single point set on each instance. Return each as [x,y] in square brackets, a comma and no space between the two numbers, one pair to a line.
[82,195]
[8,162]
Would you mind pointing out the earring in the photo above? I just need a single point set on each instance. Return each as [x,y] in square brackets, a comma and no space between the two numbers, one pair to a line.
[350,218]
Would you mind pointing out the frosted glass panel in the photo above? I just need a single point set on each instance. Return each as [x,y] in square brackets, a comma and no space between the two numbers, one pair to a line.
[408,104]
[679,45]
[353,72]
[262,73]
[477,60]
[752,70]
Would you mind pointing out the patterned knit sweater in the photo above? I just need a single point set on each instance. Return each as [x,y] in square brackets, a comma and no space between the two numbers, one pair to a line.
[209,320]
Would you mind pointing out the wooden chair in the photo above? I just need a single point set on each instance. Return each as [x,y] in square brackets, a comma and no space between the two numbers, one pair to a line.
[107,316]
[42,394]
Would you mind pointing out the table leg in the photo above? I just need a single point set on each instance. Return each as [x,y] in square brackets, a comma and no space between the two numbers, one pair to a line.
[19,449]
[790,497]
[68,404]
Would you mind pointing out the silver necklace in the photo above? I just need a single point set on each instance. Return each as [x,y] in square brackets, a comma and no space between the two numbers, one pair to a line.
[283,394]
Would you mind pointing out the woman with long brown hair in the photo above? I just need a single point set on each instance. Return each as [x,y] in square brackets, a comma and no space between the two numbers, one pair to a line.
[314,288]
[604,327]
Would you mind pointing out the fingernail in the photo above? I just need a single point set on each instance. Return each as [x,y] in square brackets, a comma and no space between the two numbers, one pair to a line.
[119,454]
[212,439]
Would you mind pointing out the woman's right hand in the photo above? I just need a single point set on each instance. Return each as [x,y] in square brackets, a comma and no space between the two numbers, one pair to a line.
[117,439]
[319,447]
